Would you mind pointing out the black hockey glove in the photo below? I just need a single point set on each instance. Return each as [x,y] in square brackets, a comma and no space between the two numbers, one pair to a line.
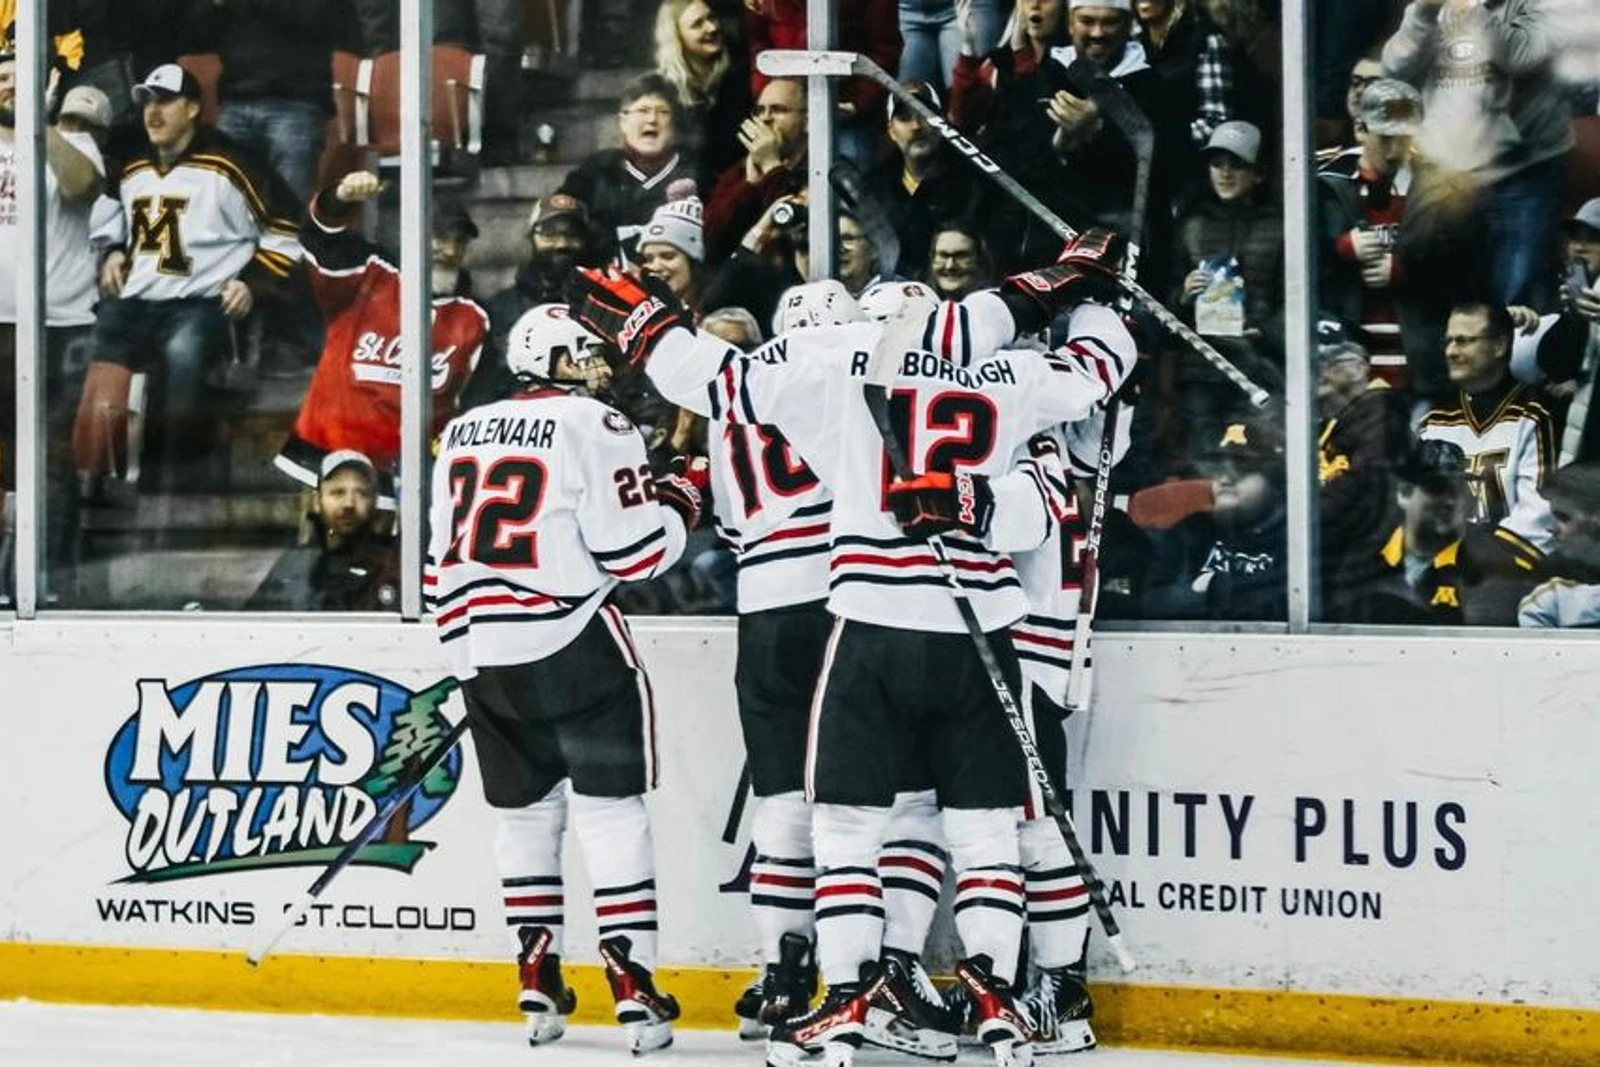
[631,314]
[683,488]
[939,503]
[1087,270]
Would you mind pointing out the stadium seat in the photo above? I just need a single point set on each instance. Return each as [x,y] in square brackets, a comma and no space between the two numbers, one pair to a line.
[367,96]
[207,70]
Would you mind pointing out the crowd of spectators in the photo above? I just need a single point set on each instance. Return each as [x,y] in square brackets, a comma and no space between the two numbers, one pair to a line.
[1457,285]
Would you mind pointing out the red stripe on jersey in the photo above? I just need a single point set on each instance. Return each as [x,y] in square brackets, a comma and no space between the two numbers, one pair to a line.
[932,870]
[533,902]
[492,600]
[798,531]
[605,910]
[972,885]
[430,579]
[1059,894]
[945,342]
[1036,639]
[643,565]
[993,566]
[792,881]
[865,889]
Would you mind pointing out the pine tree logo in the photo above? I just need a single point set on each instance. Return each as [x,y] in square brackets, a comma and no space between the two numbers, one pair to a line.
[417,733]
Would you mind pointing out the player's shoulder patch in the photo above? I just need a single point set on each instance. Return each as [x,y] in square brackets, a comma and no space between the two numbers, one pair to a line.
[617,422]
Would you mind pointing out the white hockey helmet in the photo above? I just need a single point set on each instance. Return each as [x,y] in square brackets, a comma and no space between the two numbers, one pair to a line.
[824,303]
[883,301]
[546,332]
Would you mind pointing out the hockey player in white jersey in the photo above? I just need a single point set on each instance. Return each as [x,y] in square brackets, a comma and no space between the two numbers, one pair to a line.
[900,670]
[541,504]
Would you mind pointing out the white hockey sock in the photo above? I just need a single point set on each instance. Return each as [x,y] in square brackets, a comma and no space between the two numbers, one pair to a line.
[1058,901]
[527,853]
[849,896]
[989,900]
[911,867]
[783,876]
[617,848]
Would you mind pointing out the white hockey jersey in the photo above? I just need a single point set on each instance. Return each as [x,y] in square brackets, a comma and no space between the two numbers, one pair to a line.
[1052,574]
[809,384]
[213,216]
[1509,439]
[541,504]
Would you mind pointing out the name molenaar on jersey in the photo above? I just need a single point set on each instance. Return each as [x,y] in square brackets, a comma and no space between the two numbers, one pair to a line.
[530,433]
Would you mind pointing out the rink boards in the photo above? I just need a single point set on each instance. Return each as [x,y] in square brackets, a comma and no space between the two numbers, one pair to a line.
[1328,844]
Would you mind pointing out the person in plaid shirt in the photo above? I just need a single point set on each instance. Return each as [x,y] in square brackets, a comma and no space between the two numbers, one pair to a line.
[1190,55]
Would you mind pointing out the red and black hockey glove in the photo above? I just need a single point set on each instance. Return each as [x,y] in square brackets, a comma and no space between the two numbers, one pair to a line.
[631,314]
[684,487]
[1086,270]
[939,503]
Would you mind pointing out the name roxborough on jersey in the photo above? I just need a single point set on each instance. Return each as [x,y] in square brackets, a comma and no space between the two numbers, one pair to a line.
[914,365]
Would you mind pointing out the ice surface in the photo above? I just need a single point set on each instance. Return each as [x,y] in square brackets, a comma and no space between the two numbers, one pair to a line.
[53,1035]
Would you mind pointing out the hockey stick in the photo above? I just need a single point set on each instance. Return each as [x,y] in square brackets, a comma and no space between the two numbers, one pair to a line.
[795,63]
[880,376]
[741,792]
[297,911]
[1134,125]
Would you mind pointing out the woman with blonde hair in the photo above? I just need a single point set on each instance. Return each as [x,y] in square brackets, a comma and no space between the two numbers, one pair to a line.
[712,81]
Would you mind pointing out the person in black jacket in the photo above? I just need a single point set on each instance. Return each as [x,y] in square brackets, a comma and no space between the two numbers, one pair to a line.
[277,84]
[347,565]
[1228,563]
[623,186]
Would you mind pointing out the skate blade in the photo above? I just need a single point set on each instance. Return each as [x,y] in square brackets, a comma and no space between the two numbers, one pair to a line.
[1072,1036]
[646,1037]
[545,1027]
[1012,1053]
[933,1045]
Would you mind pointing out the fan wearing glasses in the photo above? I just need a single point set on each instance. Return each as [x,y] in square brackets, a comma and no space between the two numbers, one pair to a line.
[774,140]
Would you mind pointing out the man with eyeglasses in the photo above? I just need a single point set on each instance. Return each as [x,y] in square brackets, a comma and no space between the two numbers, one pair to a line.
[623,186]
[774,139]
[1505,430]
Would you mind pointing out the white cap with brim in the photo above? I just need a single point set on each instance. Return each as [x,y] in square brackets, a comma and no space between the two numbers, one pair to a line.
[89,104]
[345,457]
[1587,215]
[166,81]
[1241,139]
[1118,5]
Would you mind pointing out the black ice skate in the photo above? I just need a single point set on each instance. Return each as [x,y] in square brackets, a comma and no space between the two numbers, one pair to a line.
[748,1009]
[1002,1022]
[907,1014]
[830,1033]
[545,999]
[645,1014]
[1060,1009]
[783,991]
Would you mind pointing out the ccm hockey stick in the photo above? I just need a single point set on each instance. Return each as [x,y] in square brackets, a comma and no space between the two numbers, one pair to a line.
[1124,113]
[880,376]
[297,911]
[794,63]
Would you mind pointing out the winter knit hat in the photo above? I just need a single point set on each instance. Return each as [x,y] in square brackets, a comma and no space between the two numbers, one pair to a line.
[677,223]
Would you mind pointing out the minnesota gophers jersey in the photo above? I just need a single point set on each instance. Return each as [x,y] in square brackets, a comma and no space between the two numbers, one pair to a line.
[215,215]
[808,384]
[354,399]
[1509,439]
[541,504]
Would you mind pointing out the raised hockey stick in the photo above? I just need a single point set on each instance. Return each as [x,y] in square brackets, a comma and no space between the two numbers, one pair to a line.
[880,376]
[297,911]
[1134,126]
[795,63]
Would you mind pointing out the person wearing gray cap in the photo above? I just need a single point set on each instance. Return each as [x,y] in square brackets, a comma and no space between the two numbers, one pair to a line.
[74,176]
[1361,203]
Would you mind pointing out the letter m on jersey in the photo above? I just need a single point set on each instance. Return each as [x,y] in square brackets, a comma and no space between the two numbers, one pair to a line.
[157,233]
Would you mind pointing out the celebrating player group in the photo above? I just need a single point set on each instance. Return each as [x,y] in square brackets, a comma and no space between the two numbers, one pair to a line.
[899,486]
